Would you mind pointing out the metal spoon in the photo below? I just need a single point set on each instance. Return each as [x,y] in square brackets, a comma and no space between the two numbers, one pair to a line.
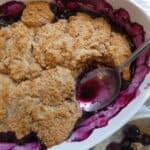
[100,87]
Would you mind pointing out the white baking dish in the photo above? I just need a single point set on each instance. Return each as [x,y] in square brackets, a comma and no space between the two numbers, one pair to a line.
[137,14]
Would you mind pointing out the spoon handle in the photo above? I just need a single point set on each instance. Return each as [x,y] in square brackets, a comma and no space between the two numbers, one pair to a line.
[134,55]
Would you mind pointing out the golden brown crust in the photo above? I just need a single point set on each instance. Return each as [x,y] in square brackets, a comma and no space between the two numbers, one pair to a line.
[6,91]
[78,41]
[43,105]
[38,68]
[59,125]
[37,14]
[18,115]
[54,86]
[16,52]
[119,51]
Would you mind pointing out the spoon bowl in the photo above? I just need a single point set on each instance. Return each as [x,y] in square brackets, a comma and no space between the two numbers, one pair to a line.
[98,88]
[101,86]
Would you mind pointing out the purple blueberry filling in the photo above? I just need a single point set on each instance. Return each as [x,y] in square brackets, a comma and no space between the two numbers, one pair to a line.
[8,141]
[91,85]
[94,90]
[10,12]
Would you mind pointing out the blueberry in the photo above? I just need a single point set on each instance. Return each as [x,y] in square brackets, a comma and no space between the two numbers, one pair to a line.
[132,132]
[129,148]
[125,84]
[53,8]
[7,137]
[3,22]
[114,146]
[66,13]
[10,12]
[145,139]
[12,9]
[126,144]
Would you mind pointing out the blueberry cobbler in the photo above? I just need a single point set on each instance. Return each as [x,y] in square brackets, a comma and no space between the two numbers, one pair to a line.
[45,50]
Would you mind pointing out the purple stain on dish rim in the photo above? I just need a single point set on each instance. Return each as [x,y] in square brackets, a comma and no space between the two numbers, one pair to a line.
[122,19]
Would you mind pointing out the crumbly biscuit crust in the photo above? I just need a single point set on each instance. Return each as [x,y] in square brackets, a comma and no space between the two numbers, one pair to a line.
[37,14]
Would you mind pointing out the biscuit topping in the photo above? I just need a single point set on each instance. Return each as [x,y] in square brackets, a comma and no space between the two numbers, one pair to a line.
[37,14]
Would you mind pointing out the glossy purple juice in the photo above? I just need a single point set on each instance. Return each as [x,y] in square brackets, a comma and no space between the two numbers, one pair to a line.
[11,12]
[95,87]
[93,91]
[89,90]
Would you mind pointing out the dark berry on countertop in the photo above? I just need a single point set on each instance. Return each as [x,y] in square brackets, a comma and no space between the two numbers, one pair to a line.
[126,144]
[114,146]
[132,132]
[145,139]
[129,148]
